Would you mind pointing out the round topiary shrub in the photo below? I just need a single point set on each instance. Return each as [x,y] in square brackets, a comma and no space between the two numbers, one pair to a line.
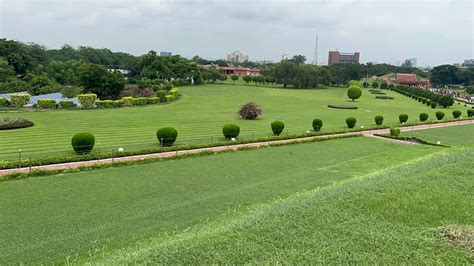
[403,118]
[249,111]
[439,115]
[394,131]
[354,92]
[351,122]
[166,136]
[231,131]
[317,124]
[456,113]
[423,117]
[470,112]
[428,102]
[277,127]
[378,120]
[83,143]
[433,105]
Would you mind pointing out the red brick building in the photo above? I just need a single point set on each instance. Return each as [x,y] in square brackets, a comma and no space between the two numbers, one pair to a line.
[240,71]
[335,57]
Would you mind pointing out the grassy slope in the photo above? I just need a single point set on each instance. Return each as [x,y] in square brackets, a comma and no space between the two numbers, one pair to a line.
[199,114]
[387,217]
[48,218]
[458,135]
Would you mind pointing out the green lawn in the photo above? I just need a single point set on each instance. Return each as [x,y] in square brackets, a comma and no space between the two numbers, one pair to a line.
[457,135]
[52,218]
[199,116]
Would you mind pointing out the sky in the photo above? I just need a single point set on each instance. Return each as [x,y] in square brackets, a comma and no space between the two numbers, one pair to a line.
[434,32]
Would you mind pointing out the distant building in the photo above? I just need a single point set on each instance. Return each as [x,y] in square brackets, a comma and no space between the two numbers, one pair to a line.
[239,71]
[468,63]
[335,57]
[166,54]
[403,78]
[237,56]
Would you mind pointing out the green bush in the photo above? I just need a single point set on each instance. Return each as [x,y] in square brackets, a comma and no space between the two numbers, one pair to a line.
[66,104]
[446,101]
[383,85]
[153,100]
[277,127]
[167,135]
[423,117]
[470,112]
[351,122]
[118,103]
[231,131]
[174,92]
[378,119]
[46,103]
[433,105]
[19,100]
[83,143]
[391,86]
[456,113]
[87,100]
[342,106]
[403,118]
[354,92]
[3,101]
[394,131]
[162,95]
[384,97]
[170,98]
[317,124]
[140,101]
[428,102]
[100,104]
[439,115]
[127,101]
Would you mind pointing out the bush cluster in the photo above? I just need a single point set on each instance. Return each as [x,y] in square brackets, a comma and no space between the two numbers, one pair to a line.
[378,120]
[423,95]
[351,122]
[277,127]
[231,131]
[317,124]
[423,117]
[403,118]
[83,143]
[46,103]
[394,131]
[166,136]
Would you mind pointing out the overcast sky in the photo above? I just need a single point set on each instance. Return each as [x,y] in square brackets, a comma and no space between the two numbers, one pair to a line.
[435,32]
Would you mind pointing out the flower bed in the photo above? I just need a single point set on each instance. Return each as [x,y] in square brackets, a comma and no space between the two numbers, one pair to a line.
[14,123]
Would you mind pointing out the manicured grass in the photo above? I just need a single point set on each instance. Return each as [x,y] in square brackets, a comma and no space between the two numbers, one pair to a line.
[393,216]
[456,135]
[69,216]
[199,116]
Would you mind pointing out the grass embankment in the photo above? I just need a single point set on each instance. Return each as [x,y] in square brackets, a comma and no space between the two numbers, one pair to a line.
[52,218]
[199,116]
[457,135]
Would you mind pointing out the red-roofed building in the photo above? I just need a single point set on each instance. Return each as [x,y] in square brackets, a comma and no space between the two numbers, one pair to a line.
[407,79]
[240,71]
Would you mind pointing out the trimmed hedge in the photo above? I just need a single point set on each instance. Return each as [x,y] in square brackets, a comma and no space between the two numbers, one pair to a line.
[66,104]
[174,92]
[167,136]
[351,122]
[140,101]
[456,113]
[439,115]
[433,105]
[403,118]
[46,103]
[342,106]
[83,143]
[19,100]
[277,127]
[470,112]
[127,101]
[119,103]
[162,95]
[394,131]
[384,97]
[423,117]
[3,101]
[104,104]
[230,131]
[317,124]
[169,98]
[153,100]
[87,100]
[378,120]
[13,123]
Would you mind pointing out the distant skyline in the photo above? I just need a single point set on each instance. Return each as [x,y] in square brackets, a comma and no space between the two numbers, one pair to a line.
[434,32]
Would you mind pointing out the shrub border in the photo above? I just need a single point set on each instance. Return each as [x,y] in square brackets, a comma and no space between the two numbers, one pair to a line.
[345,107]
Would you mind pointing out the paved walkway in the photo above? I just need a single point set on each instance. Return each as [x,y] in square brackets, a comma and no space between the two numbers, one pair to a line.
[368,133]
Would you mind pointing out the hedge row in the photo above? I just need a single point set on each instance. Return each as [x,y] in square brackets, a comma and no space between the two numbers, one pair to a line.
[424,96]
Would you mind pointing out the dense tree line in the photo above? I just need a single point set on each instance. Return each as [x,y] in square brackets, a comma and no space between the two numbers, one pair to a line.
[450,75]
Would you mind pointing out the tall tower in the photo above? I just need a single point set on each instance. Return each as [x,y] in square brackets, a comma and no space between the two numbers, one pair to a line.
[315,58]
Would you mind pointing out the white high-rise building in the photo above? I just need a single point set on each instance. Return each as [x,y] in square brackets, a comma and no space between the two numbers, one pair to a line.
[237,56]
